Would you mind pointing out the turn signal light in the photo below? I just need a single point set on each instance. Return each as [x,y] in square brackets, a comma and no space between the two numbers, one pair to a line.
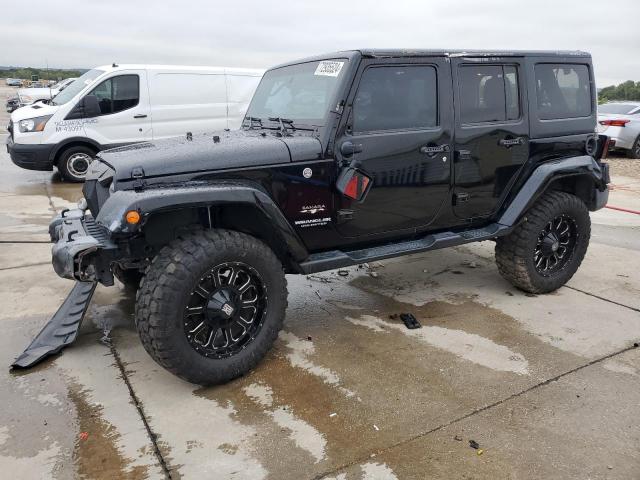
[132,217]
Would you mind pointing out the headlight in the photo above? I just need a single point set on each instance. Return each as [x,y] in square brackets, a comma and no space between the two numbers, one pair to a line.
[33,124]
[25,98]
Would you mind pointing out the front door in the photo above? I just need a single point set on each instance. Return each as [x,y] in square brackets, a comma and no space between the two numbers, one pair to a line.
[399,118]
[124,110]
[492,132]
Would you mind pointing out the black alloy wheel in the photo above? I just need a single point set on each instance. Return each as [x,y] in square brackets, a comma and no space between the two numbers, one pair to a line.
[555,245]
[226,310]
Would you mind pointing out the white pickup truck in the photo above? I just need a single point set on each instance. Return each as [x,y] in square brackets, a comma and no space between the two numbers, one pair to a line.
[27,96]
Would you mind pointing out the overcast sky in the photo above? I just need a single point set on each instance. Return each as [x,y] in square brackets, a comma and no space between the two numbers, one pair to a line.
[249,33]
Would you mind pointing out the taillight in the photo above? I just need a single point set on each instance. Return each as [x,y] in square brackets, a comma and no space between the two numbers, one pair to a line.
[614,123]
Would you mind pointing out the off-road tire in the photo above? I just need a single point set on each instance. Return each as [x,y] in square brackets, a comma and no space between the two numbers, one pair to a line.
[65,163]
[635,149]
[515,252]
[165,291]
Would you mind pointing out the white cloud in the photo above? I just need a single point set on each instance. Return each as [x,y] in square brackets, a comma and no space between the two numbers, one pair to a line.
[77,33]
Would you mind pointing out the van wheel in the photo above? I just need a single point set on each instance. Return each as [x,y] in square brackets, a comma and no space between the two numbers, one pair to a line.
[210,305]
[74,163]
[545,250]
[635,149]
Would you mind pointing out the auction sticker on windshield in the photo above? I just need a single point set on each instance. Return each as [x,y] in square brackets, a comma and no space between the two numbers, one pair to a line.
[329,68]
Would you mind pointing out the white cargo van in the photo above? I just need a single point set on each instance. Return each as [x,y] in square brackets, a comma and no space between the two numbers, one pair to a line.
[116,105]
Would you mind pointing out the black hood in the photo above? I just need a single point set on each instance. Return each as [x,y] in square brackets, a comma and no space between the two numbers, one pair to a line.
[207,152]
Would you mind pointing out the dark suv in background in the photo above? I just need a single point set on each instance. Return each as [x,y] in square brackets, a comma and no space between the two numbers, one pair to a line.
[342,159]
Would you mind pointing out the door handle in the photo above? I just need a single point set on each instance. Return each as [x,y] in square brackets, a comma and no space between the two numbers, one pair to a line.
[140,115]
[430,150]
[349,148]
[510,142]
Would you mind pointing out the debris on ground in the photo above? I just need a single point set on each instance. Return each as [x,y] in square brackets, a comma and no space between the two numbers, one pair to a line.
[457,438]
[84,435]
[374,274]
[333,414]
[317,278]
[410,321]
[509,293]
[376,428]
[480,451]
[309,337]
[343,273]
[473,444]
[470,264]
[394,316]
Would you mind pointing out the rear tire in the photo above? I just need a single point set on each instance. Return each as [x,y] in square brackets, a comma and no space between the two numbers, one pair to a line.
[74,163]
[545,250]
[635,149]
[184,325]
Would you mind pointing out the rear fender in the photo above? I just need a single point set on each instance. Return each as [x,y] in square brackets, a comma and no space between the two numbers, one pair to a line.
[585,176]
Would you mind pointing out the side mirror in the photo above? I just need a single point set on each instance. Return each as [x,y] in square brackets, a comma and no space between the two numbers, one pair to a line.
[354,183]
[90,106]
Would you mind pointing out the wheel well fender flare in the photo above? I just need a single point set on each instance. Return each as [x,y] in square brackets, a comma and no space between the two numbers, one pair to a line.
[54,156]
[570,169]
[157,200]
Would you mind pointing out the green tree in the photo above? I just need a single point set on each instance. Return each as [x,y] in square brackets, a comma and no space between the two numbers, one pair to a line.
[628,90]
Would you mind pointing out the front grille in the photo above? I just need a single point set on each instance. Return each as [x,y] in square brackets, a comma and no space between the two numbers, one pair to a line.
[97,231]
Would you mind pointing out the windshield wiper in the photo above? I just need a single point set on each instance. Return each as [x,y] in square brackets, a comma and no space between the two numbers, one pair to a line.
[286,124]
[283,122]
[253,120]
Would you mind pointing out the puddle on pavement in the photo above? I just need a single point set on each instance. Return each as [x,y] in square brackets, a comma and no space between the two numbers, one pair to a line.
[96,454]
[313,422]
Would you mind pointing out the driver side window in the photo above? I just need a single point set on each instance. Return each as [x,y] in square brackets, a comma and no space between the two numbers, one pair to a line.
[117,94]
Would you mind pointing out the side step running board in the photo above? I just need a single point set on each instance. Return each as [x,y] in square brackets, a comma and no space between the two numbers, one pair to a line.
[62,329]
[319,262]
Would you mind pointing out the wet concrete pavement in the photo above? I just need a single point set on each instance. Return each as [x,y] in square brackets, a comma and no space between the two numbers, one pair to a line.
[547,385]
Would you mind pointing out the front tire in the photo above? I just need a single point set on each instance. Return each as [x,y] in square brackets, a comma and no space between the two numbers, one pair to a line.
[211,305]
[74,163]
[545,250]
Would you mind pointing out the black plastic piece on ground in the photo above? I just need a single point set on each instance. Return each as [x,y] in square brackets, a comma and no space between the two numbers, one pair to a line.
[62,329]
[410,321]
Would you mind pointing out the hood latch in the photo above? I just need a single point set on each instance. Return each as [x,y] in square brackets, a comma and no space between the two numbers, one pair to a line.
[137,173]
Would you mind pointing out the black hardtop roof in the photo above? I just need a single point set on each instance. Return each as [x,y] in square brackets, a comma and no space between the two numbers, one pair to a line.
[410,52]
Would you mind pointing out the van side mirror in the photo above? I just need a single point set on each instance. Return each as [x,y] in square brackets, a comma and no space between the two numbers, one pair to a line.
[354,183]
[90,106]
[87,107]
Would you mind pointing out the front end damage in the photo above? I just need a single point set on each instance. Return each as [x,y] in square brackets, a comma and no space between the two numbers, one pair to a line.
[82,251]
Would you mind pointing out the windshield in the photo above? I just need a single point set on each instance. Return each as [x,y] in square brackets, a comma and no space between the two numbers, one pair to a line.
[303,93]
[76,87]
[617,108]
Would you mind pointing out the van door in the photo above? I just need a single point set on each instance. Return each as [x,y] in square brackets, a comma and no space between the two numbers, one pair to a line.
[400,128]
[492,132]
[184,102]
[124,110]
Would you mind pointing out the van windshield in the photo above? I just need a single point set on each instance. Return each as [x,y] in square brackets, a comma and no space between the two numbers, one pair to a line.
[304,92]
[76,87]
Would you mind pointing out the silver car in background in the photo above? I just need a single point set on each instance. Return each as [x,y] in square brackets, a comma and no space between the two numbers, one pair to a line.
[620,121]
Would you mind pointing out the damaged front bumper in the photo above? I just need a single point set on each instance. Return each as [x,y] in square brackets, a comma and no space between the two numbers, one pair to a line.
[82,248]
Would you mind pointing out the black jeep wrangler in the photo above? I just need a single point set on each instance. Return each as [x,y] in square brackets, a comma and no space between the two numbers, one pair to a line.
[342,159]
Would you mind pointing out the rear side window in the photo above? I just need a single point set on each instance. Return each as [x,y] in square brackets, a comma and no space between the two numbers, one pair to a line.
[489,93]
[563,91]
[118,93]
[396,98]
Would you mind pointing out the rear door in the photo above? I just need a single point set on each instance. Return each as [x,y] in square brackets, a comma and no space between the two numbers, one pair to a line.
[400,119]
[492,132]
[124,110]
